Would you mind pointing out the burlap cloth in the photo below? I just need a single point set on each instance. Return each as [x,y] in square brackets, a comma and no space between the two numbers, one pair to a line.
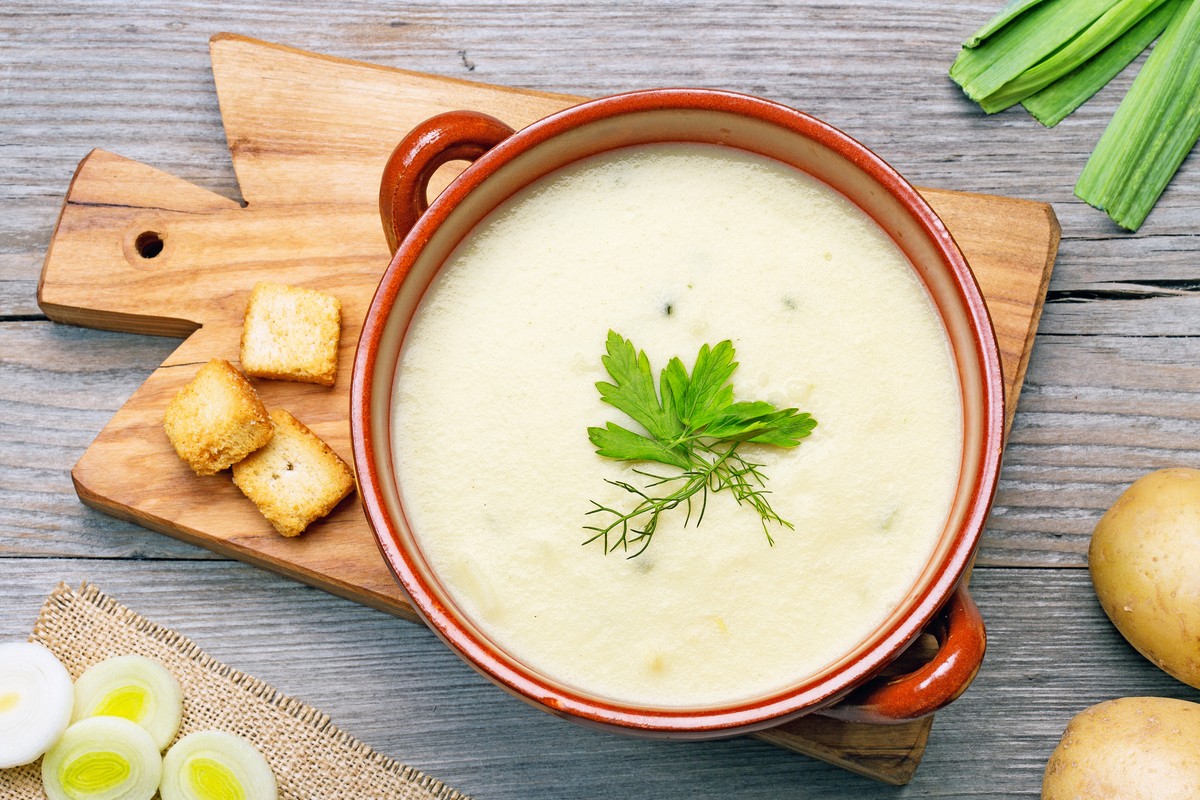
[309,756]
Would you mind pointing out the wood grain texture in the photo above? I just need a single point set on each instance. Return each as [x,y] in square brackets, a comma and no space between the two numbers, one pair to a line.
[399,689]
[308,146]
[1095,414]
[308,138]
[1111,390]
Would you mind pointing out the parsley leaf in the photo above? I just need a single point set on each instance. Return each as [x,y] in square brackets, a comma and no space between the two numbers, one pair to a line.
[622,444]
[693,424]
[633,391]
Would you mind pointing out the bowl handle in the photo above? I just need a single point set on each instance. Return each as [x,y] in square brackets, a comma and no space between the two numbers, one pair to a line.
[453,136]
[958,627]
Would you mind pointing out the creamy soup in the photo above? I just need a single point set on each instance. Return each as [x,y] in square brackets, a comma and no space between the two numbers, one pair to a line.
[675,246]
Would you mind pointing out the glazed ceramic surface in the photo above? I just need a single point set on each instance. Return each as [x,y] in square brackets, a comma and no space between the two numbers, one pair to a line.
[505,165]
[675,246]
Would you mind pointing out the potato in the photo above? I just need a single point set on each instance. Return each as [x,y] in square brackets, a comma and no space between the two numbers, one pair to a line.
[1134,748]
[1145,565]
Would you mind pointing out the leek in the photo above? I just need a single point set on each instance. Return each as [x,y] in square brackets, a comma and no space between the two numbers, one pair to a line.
[214,765]
[1023,43]
[1007,14]
[1054,103]
[136,688]
[1072,55]
[102,758]
[1155,127]
[35,702]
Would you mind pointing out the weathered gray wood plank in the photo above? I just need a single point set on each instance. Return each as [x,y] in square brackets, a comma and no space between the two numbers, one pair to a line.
[1096,413]
[837,60]
[58,387]
[1112,389]
[1051,653]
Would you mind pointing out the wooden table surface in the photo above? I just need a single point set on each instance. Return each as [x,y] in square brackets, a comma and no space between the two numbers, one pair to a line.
[1113,389]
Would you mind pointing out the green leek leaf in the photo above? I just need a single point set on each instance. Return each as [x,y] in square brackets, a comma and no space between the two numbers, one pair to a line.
[1155,127]
[1072,55]
[1007,14]
[1054,103]
[1023,43]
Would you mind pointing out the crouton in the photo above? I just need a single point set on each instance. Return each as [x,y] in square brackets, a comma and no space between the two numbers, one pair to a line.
[296,479]
[217,419]
[290,333]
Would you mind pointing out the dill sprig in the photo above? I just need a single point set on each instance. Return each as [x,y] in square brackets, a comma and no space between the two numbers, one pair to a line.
[692,424]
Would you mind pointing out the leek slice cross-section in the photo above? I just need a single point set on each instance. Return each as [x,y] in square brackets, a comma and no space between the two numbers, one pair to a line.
[1022,43]
[102,758]
[35,702]
[135,688]
[1053,104]
[1076,52]
[215,765]
[1014,9]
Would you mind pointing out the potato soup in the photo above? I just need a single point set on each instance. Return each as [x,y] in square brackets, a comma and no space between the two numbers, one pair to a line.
[675,246]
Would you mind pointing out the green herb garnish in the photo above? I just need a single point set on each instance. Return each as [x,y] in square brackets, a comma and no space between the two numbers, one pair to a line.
[694,425]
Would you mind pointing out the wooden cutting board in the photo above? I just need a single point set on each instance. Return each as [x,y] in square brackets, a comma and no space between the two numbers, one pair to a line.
[141,251]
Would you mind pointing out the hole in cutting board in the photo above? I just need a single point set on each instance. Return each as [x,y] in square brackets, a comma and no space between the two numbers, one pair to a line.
[148,244]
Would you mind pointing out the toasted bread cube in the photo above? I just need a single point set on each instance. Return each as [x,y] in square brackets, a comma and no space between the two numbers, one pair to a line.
[290,333]
[296,479]
[217,419]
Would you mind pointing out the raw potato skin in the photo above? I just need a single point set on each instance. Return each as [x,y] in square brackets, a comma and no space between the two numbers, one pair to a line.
[1145,565]
[1134,748]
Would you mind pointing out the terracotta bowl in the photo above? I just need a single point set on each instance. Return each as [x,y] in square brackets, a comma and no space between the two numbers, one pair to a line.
[861,685]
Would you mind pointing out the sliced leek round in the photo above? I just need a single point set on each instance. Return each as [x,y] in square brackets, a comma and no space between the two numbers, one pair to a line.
[35,702]
[215,765]
[102,758]
[135,688]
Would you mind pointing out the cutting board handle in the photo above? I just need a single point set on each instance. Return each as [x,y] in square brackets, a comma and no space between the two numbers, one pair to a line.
[959,629]
[138,250]
[404,188]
